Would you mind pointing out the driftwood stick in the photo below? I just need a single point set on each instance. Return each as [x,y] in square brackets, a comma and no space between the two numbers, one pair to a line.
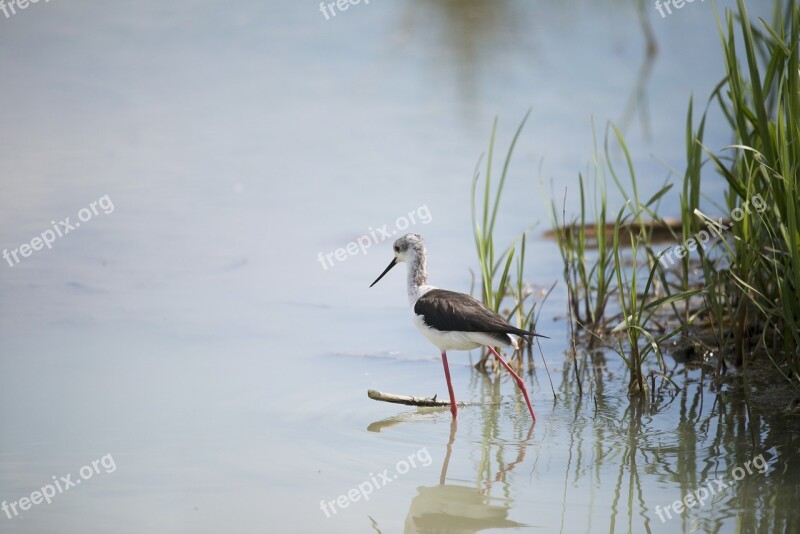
[416,401]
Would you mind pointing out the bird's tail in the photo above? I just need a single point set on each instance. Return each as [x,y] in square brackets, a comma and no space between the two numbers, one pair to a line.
[526,334]
[532,335]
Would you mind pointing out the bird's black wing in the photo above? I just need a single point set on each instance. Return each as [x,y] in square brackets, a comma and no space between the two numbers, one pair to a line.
[451,311]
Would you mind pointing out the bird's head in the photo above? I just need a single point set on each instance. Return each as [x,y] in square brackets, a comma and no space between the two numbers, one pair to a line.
[410,247]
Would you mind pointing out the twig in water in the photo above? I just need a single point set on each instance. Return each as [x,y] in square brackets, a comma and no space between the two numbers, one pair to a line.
[418,401]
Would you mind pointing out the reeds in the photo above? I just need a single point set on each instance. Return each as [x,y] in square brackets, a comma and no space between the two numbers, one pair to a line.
[497,283]
[762,104]
[751,274]
[617,285]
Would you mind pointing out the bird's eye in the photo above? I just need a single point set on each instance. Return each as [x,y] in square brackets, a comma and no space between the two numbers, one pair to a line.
[396,248]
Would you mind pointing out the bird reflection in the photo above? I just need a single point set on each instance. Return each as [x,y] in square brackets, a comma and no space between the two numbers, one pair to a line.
[454,508]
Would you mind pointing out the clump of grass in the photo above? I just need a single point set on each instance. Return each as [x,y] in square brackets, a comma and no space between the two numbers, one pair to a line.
[586,257]
[761,101]
[638,308]
[496,282]
[483,226]
[752,275]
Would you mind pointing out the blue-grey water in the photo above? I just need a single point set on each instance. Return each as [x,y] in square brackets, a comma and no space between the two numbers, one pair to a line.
[199,337]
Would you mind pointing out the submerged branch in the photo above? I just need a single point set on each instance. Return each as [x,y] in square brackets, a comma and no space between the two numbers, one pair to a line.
[418,401]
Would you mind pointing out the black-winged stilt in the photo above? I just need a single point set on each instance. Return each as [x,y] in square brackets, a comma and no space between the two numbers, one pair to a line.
[450,320]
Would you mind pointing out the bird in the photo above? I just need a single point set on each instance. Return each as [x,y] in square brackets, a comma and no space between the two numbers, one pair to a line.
[452,320]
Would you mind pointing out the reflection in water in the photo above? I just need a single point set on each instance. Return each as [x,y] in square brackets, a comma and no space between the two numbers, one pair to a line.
[675,444]
[456,508]
[395,420]
[472,33]
[638,98]
[624,463]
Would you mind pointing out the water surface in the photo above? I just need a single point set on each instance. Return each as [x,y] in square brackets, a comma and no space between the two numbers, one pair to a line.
[193,334]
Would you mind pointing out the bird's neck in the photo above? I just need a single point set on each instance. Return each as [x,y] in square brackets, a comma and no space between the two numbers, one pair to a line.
[417,275]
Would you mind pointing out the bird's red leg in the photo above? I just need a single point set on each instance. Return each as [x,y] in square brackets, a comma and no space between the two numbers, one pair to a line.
[453,406]
[519,381]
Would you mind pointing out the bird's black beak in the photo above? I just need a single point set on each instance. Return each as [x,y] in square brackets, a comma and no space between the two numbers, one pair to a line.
[389,268]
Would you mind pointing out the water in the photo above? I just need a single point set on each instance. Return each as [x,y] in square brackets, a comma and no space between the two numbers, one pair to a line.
[192,333]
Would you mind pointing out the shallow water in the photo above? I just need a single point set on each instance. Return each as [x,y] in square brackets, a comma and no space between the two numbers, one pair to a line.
[192,334]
